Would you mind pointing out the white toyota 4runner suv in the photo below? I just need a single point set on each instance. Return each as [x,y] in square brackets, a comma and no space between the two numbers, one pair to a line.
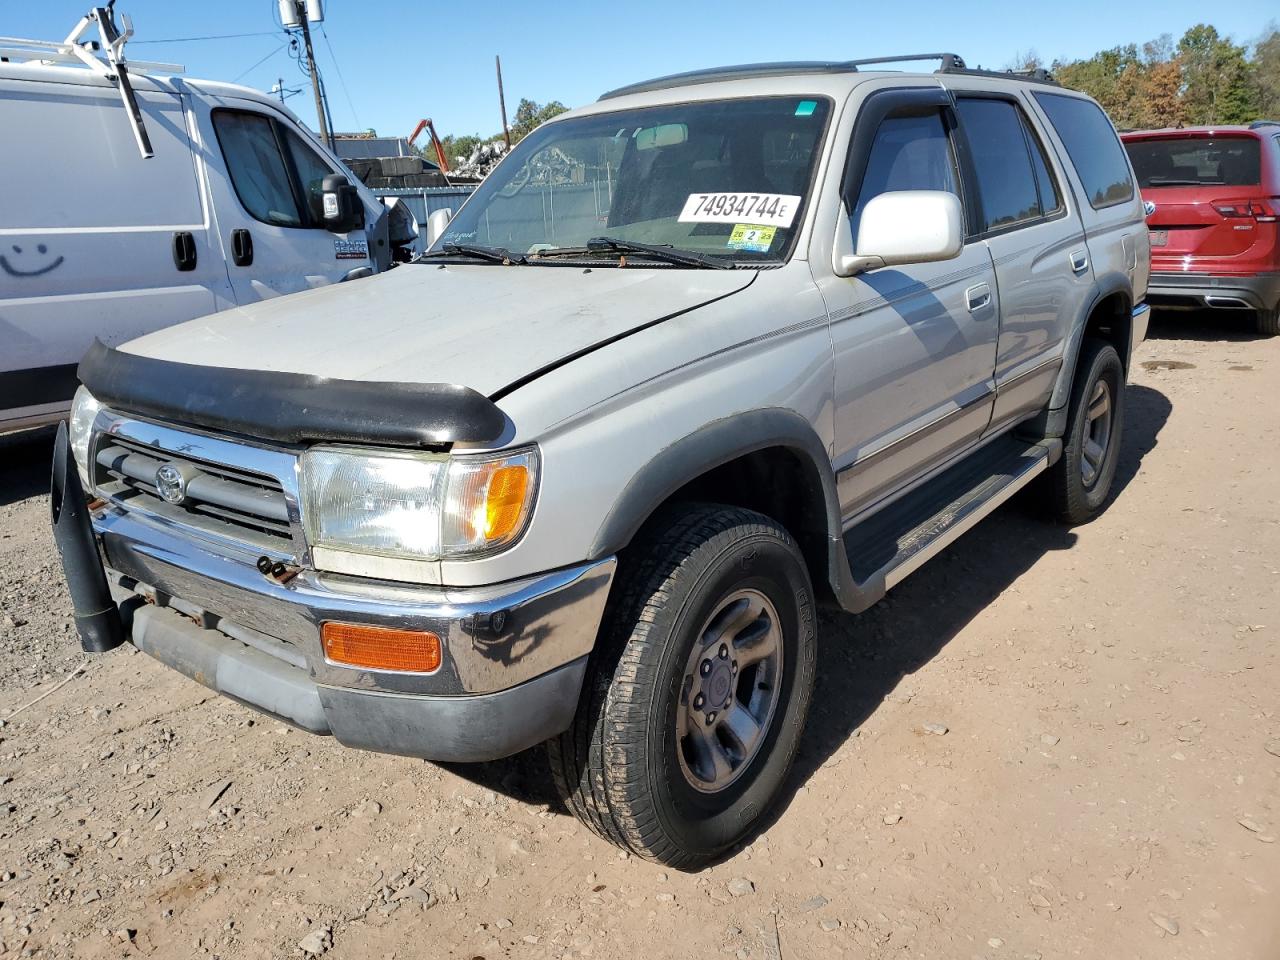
[694,359]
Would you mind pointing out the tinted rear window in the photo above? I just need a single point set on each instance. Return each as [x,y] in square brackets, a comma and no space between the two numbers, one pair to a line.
[1092,144]
[1191,161]
[1006,180]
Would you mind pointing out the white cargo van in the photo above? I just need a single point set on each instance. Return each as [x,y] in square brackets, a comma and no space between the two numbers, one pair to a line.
[236,203]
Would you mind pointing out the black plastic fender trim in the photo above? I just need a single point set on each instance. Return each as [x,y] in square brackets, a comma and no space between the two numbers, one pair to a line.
[716,444]
[291,407]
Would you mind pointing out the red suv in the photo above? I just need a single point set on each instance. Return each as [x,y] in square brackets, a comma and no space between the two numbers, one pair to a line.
[1212,197]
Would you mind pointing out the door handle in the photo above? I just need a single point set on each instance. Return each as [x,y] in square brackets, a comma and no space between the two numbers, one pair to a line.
[241,248]
[1079,261]
[184,251]
[977,297]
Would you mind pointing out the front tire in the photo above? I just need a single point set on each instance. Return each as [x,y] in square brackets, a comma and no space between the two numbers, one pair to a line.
[1080,481]
[697,692]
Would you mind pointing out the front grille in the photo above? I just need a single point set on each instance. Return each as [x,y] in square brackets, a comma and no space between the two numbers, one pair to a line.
[219,498]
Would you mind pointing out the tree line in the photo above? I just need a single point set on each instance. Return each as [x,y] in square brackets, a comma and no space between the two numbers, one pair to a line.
[1204,78]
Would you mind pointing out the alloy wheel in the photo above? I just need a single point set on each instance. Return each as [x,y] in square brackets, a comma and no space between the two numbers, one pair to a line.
[730,691]
[1097,433]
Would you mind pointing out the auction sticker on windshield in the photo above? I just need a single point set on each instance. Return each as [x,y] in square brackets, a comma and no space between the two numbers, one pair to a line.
[765,209]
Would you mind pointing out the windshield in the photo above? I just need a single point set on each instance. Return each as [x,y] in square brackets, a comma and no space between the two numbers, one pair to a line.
[724,178]
[1191,161]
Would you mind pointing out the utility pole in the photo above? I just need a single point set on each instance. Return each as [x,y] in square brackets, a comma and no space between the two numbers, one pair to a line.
[283,92]
[296,15]
[315,79]
[502,102]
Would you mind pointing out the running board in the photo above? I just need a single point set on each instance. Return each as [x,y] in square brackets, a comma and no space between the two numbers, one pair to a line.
[885,549]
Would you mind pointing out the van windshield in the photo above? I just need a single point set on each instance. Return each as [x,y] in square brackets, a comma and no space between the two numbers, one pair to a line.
[725,179]
[1192,161]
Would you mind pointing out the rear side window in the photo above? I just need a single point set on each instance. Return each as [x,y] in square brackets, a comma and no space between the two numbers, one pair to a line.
[257,168]
[1006,181]
[909,153]
[1192,161]
[1050,198]
[1093,147]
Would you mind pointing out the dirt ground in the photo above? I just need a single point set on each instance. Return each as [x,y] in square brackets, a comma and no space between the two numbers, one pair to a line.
[1108,784]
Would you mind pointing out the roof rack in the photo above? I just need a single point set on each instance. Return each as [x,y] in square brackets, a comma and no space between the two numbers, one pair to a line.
[110,64]
[950,63]
[1031,74]
[953,63]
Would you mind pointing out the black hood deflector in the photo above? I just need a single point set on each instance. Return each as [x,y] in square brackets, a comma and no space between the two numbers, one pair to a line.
[291,407]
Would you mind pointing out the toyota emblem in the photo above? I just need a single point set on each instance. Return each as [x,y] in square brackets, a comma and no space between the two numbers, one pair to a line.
[171,484]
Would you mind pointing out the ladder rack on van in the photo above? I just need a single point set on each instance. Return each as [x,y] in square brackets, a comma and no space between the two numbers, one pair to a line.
[85,52]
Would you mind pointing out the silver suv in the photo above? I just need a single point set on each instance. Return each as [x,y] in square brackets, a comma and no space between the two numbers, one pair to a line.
[693,360]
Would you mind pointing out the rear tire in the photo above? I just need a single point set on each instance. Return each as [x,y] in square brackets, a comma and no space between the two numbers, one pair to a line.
[1268,321]
[696,694]
[1080,481]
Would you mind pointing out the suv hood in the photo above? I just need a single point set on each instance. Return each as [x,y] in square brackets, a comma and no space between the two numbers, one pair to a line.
[479,326]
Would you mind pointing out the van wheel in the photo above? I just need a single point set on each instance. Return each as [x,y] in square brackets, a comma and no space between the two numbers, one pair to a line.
[1080,481]
[1268,321]
[697,692]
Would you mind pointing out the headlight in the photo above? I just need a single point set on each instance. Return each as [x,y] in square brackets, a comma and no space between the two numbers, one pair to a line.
[419,506]
[84,410]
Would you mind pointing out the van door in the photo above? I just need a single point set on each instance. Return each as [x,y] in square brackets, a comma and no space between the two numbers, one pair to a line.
[95,241]
[262,177]
[1036,243]
[914,346]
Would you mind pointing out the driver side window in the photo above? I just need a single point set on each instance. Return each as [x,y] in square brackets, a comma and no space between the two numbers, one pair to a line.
[311,168]
[910,152]
[271,168]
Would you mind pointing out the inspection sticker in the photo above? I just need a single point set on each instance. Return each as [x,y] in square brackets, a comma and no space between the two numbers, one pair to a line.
[752,237]
[764,209]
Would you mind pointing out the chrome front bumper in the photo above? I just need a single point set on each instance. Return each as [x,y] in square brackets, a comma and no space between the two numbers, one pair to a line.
[514,654]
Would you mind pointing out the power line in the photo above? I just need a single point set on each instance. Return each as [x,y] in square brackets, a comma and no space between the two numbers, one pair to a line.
[341,79]
[262,61]
[218,36]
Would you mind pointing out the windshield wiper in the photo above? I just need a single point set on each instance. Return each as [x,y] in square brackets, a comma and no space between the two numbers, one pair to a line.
[479,251]
[662,251]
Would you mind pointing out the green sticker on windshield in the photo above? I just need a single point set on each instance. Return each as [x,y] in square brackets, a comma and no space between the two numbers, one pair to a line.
[751,236]
[805,108]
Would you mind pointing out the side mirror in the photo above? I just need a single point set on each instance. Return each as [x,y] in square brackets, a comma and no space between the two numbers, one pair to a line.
[900,227]
[437,221]
[336,204]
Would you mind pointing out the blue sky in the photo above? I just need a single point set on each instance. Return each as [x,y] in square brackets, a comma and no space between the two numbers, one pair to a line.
[403,61]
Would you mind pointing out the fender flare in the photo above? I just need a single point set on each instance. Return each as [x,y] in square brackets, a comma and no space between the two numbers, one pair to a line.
[708,447]
[1107,285]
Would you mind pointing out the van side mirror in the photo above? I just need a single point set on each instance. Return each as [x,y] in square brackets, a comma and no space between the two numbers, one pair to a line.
[436,224]
[336,204]
[900,227]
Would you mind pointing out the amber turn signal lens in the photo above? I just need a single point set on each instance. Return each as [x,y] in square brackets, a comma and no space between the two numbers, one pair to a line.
[504,504]
[381,648]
